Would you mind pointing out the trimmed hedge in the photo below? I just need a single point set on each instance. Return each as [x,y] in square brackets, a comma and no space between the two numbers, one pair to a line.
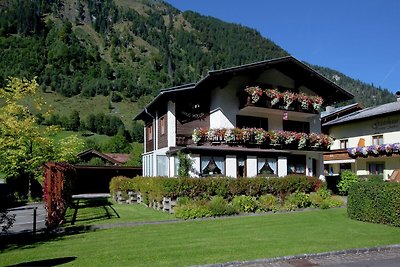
[375,202]
[155,188]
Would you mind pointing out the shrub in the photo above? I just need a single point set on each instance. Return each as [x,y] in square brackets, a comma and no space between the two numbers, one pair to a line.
[121,183]
[185,164]
[268,202]
[331,202]
[297,200]
[347,178]
[195,209]
[316,200]
[375,202]
[245,203]
[219,206]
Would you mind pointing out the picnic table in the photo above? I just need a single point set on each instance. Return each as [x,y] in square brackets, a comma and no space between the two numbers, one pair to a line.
[96,199]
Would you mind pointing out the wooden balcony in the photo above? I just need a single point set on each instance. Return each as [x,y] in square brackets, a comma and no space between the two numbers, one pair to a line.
[251,138]
[265,103]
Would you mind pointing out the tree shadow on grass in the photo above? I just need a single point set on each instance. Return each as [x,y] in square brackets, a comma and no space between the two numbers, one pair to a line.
[47,262]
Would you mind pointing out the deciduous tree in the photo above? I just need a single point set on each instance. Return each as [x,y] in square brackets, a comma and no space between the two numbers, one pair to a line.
[24,145]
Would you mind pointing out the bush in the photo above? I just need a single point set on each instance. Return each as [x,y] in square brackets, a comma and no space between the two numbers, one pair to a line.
[347,178]
[245,204]
[192,210]
[123,184]
[268,203]
[297,200]
[374,202]
[219,207]
[331,202]
[198,188]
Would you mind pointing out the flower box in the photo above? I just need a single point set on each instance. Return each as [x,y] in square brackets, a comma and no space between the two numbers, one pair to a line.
[257,137]
[287,100]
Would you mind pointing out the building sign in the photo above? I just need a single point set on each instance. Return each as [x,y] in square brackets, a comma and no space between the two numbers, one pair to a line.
[389,123]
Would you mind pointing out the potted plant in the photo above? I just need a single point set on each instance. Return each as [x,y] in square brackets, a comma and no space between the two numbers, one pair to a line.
[255,92]
[317,102]
[288,98]
[199,135]
[304,101]
[274,95]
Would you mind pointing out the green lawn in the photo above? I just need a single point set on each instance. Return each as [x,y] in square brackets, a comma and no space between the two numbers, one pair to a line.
[210,241]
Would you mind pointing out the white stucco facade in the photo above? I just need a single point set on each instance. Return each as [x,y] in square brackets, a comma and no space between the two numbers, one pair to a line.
[375,130]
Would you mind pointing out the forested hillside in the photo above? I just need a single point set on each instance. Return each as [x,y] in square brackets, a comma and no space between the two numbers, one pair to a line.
[129,49]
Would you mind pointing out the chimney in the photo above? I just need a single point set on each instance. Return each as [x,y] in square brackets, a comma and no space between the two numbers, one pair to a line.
[330,109]
[398,96]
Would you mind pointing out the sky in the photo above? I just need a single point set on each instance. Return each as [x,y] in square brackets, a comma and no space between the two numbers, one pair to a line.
[360,38]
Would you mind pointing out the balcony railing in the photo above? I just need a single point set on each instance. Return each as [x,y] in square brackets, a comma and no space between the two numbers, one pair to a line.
[273,98]
[256,137]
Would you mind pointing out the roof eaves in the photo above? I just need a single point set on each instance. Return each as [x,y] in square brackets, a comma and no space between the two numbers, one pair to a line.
[338,110]
[355,116]
[164,91]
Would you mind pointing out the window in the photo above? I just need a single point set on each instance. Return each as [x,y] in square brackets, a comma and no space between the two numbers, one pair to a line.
[296,126]
[344,143]
[376,168]
[377,140]
[241,167]
[162,165]
[176,174]
[345,166]
[267,166]
[212,165]
[162,125]
[149,132]
[296,165]
[251,122]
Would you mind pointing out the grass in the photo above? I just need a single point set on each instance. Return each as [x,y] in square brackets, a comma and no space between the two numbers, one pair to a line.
[209,241]
[125,109]
[90,213]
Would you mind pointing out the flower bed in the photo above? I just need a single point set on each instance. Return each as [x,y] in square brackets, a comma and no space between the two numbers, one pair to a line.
[261,137]
[286,100]
[374,150]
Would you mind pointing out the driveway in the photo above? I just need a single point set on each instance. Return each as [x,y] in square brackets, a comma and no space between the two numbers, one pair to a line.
[24,218]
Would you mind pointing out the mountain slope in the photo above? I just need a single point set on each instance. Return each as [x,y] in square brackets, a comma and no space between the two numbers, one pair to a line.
[130,48]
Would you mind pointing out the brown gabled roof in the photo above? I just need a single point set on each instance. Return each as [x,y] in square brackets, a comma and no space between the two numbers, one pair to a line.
[288,65]
[120,157]
[115,158]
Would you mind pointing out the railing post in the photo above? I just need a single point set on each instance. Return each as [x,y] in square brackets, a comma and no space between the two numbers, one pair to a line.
[34,219]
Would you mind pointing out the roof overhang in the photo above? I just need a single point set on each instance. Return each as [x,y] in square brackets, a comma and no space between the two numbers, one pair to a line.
[290,66]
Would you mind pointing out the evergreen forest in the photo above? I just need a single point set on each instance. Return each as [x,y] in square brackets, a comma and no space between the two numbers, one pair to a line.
[124,52]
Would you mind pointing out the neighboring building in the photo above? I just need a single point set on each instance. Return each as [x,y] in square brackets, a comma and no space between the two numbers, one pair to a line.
[333,113]
[230,130]
[367,141]
[117,159]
